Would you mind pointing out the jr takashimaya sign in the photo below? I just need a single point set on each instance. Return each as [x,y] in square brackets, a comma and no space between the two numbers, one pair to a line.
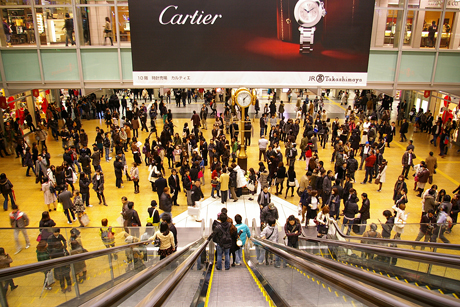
[250,42]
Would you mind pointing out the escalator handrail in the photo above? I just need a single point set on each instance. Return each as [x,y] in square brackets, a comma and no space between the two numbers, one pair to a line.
[426,257]
[46,265]
[416,295]
[404,242]
[161,293]
[360,292]
[120,292]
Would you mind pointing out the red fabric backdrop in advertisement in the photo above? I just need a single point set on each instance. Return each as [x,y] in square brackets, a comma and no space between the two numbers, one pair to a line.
[44,105]
[251,41]
[35,93]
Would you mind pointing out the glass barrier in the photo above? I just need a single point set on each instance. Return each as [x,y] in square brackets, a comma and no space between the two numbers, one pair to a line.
[359,256]
[410,232]
[141,293]
[296,287]
[63,283]
[90,238]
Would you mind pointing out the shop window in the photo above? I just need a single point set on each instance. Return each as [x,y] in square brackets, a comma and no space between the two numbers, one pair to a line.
[387,27]
[409,28]
[21,27]
[430,28]
[94,28]
[52,2]
[96,1]
[14,2]
[56,26]
[124,25]
[446,35]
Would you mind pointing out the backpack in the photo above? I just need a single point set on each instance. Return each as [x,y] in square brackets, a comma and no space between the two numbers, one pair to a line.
[226,239]
[319,183]
[107,234]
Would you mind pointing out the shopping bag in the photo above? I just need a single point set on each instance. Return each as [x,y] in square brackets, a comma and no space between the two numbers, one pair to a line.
[59,208]
[84,219]
[121,221]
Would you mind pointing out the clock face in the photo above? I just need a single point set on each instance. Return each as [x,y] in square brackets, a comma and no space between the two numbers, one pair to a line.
[244,99]
[307,13]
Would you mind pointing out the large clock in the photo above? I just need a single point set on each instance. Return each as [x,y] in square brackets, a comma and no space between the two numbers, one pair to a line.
[243,97]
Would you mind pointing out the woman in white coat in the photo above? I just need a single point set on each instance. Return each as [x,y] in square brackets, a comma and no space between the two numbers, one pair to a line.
[50,198]
[382,174]
[400,220]
[240,179]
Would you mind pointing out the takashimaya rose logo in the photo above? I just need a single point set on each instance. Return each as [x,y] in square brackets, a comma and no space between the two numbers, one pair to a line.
[319,78]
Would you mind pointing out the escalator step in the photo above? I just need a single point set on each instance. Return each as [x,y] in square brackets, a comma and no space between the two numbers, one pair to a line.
[440,291]
[427,287]
[455,295]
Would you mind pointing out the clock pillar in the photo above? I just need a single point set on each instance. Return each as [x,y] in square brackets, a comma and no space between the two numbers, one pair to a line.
[242,156]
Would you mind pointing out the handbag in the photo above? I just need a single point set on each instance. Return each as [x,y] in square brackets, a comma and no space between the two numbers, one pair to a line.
[291,183]
[39,238]
[157,242]
[84,219]
[251,186]
[52,189]
[296,183]
[377,180]
[74,177]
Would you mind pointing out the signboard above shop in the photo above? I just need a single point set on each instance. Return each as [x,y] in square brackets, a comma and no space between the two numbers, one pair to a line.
[257,43]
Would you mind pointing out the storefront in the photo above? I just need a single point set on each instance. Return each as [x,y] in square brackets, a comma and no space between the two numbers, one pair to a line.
[35,101]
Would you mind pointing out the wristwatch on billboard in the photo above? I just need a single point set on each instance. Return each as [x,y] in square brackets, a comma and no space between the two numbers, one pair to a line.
[308,13]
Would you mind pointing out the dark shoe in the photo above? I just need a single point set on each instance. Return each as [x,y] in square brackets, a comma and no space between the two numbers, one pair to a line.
[14,287]
[176,205]
[105,204]
[235,200]
[69,289]
[227,269]
[233,264]
[218,269]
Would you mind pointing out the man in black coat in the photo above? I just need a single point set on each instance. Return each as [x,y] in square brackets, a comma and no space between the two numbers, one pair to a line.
[160,184]
[132,220]
[84,188]
[197,194]
[174,185]
[403,130]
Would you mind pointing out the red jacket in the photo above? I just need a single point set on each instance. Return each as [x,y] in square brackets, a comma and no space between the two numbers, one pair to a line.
[370,161]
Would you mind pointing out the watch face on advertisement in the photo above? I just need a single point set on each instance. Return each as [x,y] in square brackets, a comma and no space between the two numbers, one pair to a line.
[307,13]
[244,99]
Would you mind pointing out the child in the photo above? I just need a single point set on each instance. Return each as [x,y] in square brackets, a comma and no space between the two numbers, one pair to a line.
[107,236]
[79,206]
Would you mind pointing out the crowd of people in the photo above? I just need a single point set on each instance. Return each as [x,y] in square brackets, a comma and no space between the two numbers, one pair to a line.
[324,193]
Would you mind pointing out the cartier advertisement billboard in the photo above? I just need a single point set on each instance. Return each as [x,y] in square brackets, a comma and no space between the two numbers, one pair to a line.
[283,43]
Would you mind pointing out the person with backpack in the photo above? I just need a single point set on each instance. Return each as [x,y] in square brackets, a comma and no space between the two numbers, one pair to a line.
[19,221]
[154,216]
[107,236]
[270,233]
[221,236]
[243,232]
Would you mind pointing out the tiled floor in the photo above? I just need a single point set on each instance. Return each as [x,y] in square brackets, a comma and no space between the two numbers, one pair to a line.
[30,198]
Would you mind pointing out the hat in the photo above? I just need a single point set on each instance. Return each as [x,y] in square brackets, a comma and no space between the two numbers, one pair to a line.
[367,143]
[271,206]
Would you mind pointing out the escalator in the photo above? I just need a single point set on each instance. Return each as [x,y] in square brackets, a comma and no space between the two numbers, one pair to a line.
[188,277]
[426,270]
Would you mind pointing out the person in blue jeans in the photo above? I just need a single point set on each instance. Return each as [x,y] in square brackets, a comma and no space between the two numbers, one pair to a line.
[221,236]
[6,187]
[244,233]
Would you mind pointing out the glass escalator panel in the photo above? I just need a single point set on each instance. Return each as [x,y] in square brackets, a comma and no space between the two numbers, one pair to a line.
[295,286]
[140,294]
